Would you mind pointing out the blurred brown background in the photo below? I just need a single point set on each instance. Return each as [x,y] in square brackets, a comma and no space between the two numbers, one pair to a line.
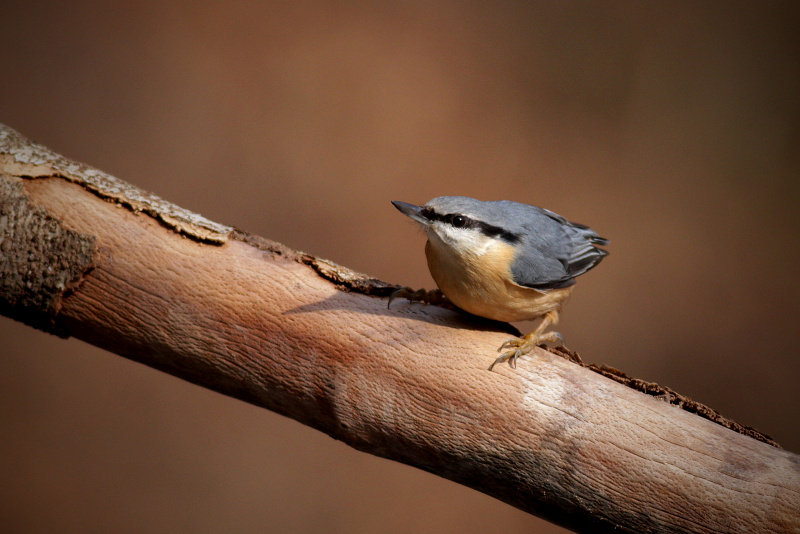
[672,130]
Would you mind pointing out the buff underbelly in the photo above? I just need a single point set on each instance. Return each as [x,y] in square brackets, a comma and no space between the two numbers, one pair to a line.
[483,285]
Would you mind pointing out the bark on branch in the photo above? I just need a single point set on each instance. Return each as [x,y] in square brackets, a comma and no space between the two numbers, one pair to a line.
[86,255]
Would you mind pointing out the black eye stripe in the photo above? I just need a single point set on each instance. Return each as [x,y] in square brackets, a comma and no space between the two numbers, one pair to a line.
[431,215]
[450,218]
[462,221]
[495,231]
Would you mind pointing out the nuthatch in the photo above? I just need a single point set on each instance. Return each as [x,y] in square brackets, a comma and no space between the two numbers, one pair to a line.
[504,261]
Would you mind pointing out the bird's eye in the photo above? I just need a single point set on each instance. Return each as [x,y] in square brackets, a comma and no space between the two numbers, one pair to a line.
[459,221]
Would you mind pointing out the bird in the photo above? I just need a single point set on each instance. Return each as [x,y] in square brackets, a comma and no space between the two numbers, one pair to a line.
[504,261]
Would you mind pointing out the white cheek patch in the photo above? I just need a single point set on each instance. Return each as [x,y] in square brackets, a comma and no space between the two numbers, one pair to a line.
[484,245]
[467,241]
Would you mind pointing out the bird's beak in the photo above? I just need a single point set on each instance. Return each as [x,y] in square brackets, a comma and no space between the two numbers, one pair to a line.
[415,212]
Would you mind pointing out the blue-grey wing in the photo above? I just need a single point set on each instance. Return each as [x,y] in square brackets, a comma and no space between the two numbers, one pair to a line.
[554,251]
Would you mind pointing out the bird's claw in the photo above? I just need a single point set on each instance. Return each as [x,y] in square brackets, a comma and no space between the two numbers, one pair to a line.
[521,346]
[420,295]
[556,338]
[513,342]
[399,293]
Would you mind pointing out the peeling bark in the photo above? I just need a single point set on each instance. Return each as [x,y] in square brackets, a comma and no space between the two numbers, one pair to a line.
[40,259]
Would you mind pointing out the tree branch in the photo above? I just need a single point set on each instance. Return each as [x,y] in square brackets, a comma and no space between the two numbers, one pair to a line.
[86,255]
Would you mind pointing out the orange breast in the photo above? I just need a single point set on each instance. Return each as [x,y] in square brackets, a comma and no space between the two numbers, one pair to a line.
[482,284]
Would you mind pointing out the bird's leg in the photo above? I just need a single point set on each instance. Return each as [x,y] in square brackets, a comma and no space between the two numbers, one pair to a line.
[434,296]
[520,346]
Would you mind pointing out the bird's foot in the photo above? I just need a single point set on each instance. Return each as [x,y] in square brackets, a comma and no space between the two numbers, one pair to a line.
[519,346]
[434,296]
